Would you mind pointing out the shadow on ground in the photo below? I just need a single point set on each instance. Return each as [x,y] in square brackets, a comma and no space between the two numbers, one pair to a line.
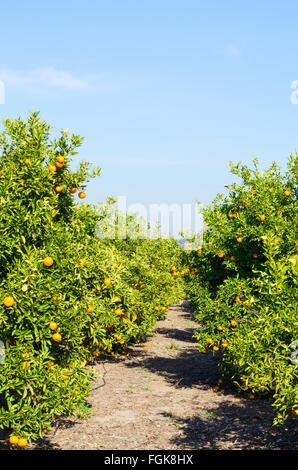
[246,427]
[186,369]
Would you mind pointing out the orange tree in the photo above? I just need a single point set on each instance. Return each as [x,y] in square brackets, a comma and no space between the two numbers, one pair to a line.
[244,283]
[66,297]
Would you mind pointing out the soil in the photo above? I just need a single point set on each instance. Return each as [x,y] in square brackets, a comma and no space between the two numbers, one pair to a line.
[159,398]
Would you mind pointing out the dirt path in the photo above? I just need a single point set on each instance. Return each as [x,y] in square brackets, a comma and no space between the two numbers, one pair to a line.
[161,398]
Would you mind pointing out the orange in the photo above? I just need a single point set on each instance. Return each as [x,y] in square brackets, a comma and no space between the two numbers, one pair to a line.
[8,301]
[118,311]
[209,340]
[220,255]
[59,165]
[13,440]
[52,168]
[60,159]
[65,377]
[156,308]
[134,317]
[57,337]
[82,194]
[22,442]
[90,309]
[73,190]
[59,189]
[238,300]
[82,263]
[50,363]
[233,323]
[117,299]
[53,326]
[107,282]
[287,192]
[48,261]
[255,255]
[233,258]
[220,328]
[215,348]
[253,192]
[239,239]
[262,218]
[27,161]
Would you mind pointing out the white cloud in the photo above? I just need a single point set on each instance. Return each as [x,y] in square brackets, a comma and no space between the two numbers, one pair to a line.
[43,78]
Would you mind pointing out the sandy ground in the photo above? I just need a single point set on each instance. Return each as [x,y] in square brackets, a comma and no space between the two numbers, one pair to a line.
[160,398]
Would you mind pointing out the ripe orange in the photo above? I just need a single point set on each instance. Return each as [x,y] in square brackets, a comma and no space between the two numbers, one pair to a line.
[57,337]
[82,263]
[82,194]
[262,218]
[215,348]
[8,301]
[118,311]
[48,261]
[26,161]
[233,258]
[107,282]
[59,189]
[233,323]
[60,159]
[287,192]
[90,309]
[253,192]
[255,255]
[53,326]
[209,340]
[52,168]
[13,439]
[22,442]
[239,239]
[73,190]
[59,165]
[220,255]
[116,298]
[220,328]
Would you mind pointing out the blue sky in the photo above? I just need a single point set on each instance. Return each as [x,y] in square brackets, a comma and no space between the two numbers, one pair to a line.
[164,92]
